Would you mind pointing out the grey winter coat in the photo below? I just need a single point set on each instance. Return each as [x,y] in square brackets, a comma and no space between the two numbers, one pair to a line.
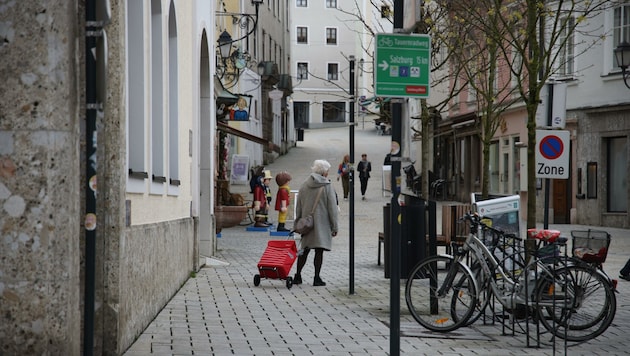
[326,213]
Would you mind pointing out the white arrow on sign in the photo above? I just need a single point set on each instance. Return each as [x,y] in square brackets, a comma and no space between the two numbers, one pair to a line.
[383,65]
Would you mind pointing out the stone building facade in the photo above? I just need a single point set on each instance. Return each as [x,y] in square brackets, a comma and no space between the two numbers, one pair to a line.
[154,166]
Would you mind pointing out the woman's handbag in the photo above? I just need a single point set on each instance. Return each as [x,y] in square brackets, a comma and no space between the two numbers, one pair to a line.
[305,224]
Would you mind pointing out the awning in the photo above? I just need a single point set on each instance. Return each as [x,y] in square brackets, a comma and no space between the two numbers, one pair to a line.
[229,129]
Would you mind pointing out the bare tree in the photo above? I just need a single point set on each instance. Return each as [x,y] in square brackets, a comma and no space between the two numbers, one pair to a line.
[432,20]
[482,69]
[530,37]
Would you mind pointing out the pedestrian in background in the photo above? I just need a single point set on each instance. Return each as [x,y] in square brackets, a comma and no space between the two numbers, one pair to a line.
[344,174]
[325,217]
[282,199]
[364,167]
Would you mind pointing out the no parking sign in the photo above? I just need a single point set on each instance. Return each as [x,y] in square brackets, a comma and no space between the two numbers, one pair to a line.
[552,154]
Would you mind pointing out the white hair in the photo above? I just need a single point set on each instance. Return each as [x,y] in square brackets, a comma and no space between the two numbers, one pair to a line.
[320,166]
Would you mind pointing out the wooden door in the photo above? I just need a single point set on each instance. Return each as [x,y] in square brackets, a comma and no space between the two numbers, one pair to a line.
[560,200]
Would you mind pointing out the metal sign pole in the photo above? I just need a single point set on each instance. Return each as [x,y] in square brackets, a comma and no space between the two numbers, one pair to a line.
[395,238]
[352,176]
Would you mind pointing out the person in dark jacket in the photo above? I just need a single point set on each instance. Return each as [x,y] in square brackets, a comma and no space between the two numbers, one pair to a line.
[326,222]
[364,167]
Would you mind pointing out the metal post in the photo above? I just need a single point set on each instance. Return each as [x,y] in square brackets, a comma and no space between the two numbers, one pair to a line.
[90,170]
[351,214]
[547,180]
[395,238]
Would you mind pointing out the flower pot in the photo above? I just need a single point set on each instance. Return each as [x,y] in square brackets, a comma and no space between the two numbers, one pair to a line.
[228,216]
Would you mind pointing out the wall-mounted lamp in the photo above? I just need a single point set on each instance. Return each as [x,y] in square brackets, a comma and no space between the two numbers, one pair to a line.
[233,62]
[361,63]
[268,72]
[622,55]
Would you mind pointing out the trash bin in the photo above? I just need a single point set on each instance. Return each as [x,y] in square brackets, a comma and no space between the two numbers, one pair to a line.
[414,229]
[300,134]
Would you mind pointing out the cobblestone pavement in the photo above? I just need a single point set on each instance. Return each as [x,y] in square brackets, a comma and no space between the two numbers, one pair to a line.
[221,312]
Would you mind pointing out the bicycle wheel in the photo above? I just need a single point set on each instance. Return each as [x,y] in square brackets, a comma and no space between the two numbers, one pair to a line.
[440,293]
[576,302]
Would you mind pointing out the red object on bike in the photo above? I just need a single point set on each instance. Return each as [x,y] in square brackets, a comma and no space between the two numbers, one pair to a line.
[544,234]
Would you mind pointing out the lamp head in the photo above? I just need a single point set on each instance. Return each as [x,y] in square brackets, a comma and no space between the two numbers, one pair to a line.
[622,55]
[225,44]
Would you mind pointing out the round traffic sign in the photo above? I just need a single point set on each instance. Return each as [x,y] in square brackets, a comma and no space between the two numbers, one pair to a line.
[551,147]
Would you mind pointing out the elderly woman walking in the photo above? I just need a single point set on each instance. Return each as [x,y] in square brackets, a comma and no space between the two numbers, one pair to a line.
[317,189]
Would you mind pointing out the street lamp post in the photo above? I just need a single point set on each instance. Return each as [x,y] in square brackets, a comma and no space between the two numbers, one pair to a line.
[352,176]
[622,55]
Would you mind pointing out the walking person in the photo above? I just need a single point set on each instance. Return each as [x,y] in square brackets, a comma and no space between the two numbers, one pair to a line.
[344,174]
[364,167]
[325,217]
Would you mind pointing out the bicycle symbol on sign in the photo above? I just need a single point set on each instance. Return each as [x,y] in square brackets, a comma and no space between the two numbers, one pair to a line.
[385,42]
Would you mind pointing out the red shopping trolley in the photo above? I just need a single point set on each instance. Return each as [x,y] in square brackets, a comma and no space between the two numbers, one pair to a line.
[276,261]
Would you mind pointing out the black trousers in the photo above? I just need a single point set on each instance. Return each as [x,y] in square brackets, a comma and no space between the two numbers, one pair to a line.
[364,181]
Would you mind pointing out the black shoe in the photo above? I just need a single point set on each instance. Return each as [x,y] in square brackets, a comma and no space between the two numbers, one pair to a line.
[317,282]
[627,277]
[297,279]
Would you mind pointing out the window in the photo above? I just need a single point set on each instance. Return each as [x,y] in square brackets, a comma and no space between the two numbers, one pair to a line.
[333,71]
[301,113]
[517,64]
[302,35]
[566,55]
[494,167]
[621,27]
[137,83]
[157,174]
[334,111]
[591,180]
[173,119]
[302,70]
[301,3]
[331,3]
[331,36]
[617,169]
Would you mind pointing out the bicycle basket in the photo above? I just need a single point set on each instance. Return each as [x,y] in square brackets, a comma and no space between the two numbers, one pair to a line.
[591,246]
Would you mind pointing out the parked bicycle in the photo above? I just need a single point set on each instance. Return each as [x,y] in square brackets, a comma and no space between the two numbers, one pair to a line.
[571,299]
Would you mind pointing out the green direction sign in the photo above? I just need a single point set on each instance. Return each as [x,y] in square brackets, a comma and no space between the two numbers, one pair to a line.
[402,65]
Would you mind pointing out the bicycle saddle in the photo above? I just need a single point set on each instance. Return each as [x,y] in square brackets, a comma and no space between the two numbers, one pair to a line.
[544,234]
